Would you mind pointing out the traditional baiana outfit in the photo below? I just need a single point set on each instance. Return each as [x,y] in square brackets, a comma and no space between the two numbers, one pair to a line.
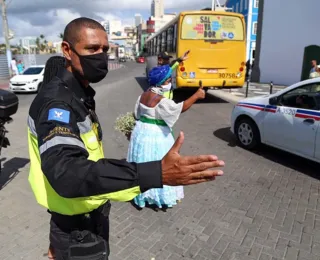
[152,136]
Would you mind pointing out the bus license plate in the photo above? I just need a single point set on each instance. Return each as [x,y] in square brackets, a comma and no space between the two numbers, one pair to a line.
[212,71]
[228,75]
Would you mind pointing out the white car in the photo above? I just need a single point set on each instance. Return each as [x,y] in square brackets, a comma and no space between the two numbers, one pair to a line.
[29,81]
[112,57]
[288,120]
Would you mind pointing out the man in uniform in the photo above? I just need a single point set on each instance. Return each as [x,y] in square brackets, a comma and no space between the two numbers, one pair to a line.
[164,59]
[69,174]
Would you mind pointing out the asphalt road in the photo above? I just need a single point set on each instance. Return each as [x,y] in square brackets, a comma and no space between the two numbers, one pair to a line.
[266,206]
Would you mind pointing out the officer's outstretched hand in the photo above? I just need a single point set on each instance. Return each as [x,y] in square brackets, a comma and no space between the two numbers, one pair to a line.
[186,170]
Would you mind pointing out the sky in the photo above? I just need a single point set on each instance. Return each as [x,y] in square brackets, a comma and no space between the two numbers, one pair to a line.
[34,17]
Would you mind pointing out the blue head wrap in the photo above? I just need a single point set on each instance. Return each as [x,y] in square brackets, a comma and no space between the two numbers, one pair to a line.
[158,75]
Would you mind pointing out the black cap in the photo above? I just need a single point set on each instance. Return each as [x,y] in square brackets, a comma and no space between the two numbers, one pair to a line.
[164,55]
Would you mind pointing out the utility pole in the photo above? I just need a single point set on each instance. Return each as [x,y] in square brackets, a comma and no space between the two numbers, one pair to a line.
[213,5]
[5,29]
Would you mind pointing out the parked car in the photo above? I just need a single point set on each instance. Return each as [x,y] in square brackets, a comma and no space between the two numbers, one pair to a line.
[112,57]
[141,60]
[288,120]
[29,81]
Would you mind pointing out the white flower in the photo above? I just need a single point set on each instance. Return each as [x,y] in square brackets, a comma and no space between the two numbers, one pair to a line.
[125,123]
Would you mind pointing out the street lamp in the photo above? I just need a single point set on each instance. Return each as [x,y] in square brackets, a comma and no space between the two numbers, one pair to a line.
[6,33]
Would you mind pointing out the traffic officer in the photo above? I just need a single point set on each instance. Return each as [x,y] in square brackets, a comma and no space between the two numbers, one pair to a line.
[164,59]
[69,174]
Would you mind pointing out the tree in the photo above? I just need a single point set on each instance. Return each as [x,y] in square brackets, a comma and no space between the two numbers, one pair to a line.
[38,43]
[42,43]
[61,36]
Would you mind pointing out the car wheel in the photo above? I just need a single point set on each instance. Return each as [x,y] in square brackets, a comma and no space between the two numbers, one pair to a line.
[247,133]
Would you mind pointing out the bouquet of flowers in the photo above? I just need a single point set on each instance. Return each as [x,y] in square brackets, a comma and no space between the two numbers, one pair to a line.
[125,124]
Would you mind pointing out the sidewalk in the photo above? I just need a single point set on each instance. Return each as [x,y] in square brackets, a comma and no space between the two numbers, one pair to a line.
[255,89]
[4,83]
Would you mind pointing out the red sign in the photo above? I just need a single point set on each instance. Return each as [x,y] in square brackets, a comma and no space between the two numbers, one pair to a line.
[150,26]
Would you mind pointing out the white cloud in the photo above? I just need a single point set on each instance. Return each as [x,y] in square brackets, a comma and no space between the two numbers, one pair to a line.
[35,17]
[109,16]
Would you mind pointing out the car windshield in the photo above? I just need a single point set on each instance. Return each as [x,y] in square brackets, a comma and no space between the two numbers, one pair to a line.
[33,71]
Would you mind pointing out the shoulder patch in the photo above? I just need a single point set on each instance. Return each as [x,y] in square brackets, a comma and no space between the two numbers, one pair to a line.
[60,115]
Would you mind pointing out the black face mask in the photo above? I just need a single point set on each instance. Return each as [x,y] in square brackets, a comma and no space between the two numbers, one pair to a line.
[94,67]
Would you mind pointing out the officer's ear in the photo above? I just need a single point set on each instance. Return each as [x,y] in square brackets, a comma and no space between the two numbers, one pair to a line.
[66,50]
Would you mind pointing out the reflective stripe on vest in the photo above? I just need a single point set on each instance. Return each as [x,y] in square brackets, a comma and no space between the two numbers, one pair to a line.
[46,195]
[168,94]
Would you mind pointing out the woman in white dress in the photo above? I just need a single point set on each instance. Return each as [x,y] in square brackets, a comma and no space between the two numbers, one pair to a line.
[152,136]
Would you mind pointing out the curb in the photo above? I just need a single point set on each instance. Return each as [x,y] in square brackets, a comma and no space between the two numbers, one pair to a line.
[225,96]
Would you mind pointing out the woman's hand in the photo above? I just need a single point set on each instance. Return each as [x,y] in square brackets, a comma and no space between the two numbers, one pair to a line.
[201,94]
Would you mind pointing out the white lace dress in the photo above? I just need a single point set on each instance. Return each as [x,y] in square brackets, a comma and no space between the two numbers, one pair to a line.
[151,139]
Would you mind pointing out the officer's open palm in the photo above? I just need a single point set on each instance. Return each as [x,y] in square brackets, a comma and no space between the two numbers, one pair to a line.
[186,170]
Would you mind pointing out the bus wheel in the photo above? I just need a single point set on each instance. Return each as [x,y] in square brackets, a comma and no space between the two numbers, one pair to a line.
[206,89]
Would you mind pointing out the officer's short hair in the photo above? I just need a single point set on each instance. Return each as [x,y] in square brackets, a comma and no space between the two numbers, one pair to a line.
[72,32]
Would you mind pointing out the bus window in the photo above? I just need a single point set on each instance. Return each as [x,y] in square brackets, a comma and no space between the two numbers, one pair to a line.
[170,39]
[164,41]
[159,44]
[175,38]
[212,27]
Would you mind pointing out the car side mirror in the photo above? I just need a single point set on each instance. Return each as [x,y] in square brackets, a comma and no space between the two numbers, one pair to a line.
[273,101]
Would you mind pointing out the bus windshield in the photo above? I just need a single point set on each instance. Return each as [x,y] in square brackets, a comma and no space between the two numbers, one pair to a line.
[212,27]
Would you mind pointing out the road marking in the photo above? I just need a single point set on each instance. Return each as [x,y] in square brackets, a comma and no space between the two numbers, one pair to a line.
[237,94]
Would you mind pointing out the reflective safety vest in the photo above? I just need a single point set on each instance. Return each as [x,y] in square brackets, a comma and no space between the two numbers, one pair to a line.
[44,193]
[168,94]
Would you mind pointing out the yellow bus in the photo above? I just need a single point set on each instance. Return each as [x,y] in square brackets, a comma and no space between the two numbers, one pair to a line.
[217,44]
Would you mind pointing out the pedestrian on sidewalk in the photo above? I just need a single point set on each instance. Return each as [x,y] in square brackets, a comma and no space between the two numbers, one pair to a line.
[315,73]
[14,67]
[20,67]
[69,174]
[152,135]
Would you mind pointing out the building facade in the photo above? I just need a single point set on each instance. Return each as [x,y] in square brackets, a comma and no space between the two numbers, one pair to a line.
[137,19]
[115,27]
[106,26]
[157,8]
[156,23]
[250,11]
[141,36]
[285,29]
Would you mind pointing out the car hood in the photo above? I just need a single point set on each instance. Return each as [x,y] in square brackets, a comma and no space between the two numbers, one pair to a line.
[24,78]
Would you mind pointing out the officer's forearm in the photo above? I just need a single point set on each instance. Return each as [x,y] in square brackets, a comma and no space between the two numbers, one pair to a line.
[175,63]
[72,175]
